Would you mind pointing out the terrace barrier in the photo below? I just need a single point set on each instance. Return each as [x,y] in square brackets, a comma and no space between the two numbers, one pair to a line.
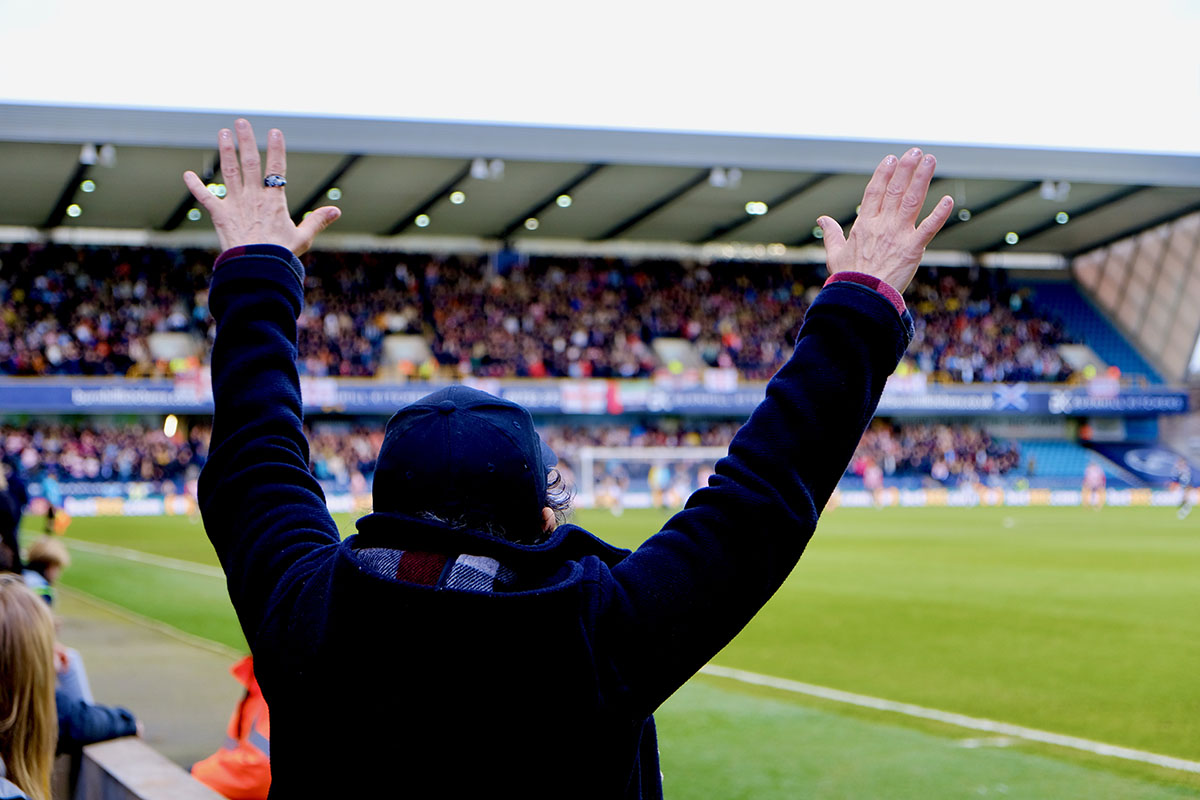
[125,769]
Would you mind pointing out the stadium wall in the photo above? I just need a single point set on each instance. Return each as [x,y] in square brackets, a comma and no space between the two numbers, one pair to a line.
[1149,287]
[125,769]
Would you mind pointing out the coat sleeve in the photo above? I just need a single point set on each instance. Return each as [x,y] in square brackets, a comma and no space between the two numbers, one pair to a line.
[264,512]
[681,596]
[80,723]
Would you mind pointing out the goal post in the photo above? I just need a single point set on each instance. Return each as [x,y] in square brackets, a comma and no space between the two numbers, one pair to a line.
[641,477]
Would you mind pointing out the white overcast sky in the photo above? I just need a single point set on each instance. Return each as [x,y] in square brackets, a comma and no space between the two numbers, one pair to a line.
[1077,75]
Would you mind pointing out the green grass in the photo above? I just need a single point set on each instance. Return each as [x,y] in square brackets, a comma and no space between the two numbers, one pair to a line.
[718,742]
[1076,622]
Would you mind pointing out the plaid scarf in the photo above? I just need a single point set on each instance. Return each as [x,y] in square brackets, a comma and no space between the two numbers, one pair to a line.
[462,572]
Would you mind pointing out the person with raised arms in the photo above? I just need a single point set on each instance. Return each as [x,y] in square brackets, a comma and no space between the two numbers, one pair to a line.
[467,640]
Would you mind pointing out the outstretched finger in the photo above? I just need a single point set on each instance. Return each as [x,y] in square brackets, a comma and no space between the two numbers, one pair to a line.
[832,237]
[918,188]
[312,224]
[873,194]
[276,153]
[933,223]
[200,191]
[901,178]
[231,173]
[248,150]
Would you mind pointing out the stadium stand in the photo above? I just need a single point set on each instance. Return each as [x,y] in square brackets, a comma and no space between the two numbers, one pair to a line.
[970,328]
[90,311]
[948,454]
[88,453]
[90,460]
[1085,323]
[133,311]
[1062,463]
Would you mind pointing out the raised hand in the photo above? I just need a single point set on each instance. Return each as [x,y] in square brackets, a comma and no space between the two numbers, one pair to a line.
[883,241]
[255,210]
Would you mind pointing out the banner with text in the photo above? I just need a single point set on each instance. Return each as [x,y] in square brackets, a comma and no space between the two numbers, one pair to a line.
[193,395]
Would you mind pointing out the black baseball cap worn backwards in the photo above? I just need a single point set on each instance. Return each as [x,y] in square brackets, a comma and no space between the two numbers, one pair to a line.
[463,452]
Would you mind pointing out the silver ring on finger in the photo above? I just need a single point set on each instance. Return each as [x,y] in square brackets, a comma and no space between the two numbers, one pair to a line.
[274,180]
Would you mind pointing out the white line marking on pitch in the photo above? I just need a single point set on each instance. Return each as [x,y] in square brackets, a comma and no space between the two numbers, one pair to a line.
[987,741]
[146,558]
[158,626]
[973,723]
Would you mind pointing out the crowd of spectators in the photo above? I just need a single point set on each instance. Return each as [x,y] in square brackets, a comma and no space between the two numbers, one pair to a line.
[90,452]
[974,330]
[948,454]
[354,300]
[342,452]
[89,311]
[597,318]
[68,310]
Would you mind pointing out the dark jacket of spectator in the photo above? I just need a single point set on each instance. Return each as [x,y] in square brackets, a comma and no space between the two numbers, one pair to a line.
[10,520]
[451,663]
[81,723]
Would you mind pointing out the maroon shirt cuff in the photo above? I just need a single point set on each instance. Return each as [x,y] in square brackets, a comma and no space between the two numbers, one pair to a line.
[277,250]
[871,282]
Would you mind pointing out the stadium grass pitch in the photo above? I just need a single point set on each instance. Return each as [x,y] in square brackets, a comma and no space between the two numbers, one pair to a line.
[1059,619]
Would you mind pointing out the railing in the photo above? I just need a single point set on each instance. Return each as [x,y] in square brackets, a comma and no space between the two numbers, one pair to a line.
[125,769]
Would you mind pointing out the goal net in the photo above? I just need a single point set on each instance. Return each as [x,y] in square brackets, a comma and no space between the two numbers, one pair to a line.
[641,477]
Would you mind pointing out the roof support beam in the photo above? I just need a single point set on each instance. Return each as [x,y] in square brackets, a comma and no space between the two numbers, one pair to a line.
[66,195]
[1107,200]
[311,201]
[994,203]
[745,219]
[549,200]
[656,206]
[430,201]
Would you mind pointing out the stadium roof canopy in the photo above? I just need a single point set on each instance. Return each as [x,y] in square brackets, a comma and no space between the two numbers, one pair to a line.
[630,192]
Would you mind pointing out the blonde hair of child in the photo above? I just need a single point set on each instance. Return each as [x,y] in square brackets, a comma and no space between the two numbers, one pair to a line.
[28,720]
[47,551]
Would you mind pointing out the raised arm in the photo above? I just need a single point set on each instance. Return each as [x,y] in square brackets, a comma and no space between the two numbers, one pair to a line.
[262,509]
[690,588]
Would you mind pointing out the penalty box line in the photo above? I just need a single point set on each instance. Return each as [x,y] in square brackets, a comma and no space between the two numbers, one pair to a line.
[960,720]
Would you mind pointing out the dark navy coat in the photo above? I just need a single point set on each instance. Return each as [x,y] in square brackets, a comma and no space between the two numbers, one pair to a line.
[411,660]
